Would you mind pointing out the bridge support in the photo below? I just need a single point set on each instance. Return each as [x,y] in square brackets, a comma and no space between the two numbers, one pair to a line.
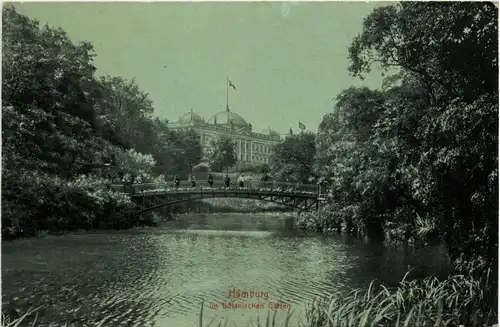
[289,223]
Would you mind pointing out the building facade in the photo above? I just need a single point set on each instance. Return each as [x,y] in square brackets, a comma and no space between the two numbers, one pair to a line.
[252,149]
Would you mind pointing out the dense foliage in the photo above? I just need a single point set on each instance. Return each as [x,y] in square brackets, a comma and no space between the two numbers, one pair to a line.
[258,169]
[293,159]
[221,155]
[417,160]
[67,134]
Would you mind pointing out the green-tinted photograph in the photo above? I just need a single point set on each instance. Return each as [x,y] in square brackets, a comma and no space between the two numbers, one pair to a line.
[249,164]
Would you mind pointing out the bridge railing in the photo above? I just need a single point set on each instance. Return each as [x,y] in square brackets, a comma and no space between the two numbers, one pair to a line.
[186,186]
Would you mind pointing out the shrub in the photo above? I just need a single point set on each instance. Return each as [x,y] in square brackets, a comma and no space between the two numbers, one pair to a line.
[34,201]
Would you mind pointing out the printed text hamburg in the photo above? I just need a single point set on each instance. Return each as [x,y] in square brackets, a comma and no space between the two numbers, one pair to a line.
[238,294]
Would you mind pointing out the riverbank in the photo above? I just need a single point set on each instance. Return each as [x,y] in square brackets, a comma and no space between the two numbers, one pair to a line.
[463,299]
[152,219]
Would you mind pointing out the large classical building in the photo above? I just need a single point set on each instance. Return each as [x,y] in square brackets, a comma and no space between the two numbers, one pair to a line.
[252,148]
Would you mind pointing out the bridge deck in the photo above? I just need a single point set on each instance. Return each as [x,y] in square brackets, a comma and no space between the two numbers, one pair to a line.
[155,195]
[218,188]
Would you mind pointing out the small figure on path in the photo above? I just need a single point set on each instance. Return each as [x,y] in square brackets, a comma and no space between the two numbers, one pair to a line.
[241,180]
[177,182]
[192,179]
[210,180]
[227,181]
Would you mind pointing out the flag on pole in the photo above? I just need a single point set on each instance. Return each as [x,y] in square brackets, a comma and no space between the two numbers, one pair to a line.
[302,126]
[231,84]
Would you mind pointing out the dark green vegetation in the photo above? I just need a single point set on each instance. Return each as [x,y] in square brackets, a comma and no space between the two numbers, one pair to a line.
[67,134]
[221,155]
[293,159]
[417,160]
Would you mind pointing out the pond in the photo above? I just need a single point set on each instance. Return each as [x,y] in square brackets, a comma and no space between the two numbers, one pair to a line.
[159,276]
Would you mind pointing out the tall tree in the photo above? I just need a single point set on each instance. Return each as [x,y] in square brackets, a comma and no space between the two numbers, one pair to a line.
[126,110]
[293,159]
[189,148]
[221,153]
[46,98]
[437,42]
[441,121]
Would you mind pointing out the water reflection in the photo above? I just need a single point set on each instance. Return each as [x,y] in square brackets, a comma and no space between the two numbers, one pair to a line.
[160,276]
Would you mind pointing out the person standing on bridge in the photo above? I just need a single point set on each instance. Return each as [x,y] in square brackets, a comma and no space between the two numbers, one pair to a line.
[192,179]
[241,181]
[227,181]
[210,180]
[177,182]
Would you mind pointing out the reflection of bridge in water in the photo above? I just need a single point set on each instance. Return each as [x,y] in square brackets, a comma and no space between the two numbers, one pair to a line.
[151,196]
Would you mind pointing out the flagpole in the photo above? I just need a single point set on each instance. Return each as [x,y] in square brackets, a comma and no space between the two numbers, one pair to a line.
[227,93]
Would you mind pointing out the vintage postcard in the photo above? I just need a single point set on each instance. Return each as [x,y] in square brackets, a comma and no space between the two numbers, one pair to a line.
[194,164]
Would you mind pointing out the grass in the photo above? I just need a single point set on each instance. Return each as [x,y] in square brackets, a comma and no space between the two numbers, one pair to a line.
[426,303]
[456,301]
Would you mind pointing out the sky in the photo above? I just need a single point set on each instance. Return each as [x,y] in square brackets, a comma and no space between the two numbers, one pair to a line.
[287,60]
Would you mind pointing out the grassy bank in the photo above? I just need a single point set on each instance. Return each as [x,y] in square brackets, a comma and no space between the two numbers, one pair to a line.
[456,301]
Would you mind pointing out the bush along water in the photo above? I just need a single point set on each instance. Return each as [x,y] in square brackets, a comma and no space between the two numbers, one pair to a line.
[43,202]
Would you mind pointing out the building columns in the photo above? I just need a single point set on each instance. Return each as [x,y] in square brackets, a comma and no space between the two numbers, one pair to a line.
[251,151]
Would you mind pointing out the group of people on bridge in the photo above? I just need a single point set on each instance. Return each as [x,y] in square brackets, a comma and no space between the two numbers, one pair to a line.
[210,180]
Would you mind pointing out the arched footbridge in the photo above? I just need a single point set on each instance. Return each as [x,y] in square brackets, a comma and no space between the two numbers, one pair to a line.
[151,196]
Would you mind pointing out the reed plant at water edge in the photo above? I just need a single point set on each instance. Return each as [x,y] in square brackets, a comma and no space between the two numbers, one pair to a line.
[426,303]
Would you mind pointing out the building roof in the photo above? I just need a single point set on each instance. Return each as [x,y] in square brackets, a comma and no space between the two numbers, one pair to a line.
[269,131]
[225,118]
[191,117]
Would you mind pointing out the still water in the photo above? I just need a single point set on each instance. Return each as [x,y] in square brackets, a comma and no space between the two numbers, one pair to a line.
[159,277]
